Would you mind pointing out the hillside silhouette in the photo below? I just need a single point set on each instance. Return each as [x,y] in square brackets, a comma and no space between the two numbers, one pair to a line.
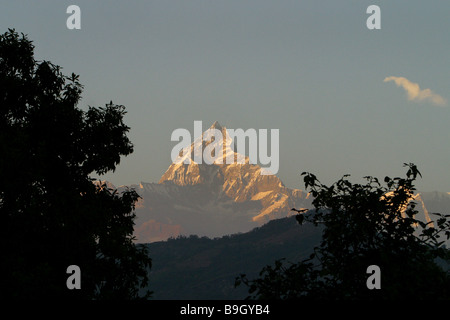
[202,268]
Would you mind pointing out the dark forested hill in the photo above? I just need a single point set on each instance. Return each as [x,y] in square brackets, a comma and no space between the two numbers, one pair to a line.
[203,268]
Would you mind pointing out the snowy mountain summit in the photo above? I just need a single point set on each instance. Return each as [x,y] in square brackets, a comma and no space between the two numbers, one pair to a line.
[212,199]
[236,169]
[208,141]
[219,145]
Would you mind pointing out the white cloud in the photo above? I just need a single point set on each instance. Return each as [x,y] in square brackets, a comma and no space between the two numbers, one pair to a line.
[415,93]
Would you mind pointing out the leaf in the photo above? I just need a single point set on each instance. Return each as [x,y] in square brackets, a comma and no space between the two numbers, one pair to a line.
[441,222]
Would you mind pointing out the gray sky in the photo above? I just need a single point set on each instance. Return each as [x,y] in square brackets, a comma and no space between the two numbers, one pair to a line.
[309,68]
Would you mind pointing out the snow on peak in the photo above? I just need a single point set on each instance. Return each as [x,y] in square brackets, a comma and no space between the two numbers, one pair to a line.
[215,139]
[228,171]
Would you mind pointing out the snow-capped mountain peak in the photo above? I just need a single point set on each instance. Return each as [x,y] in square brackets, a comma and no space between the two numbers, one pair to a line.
[217,198]
[214,144]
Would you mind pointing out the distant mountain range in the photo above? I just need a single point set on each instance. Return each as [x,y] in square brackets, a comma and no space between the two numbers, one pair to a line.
[220,199]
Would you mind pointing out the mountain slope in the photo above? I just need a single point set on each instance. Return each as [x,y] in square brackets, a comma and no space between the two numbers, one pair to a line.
[202,268]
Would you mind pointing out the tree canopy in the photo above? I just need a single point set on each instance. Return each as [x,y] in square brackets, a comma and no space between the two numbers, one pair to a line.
[363,225]
[52,214]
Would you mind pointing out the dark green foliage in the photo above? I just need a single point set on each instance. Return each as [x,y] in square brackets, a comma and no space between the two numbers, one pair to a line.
[364,224]
[52,215]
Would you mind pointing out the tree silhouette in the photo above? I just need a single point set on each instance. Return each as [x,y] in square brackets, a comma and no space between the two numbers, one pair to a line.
[363,225]
[52,214]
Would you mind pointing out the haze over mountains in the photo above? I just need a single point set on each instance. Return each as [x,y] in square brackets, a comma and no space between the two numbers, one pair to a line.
[220,199]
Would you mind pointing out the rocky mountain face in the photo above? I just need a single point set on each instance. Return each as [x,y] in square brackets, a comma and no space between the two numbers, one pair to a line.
[212,199]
